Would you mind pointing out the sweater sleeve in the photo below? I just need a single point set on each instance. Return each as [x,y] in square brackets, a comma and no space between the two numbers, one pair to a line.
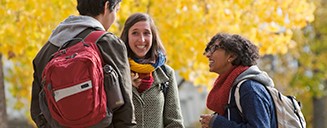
[172,110]
[114,53]
[257,109]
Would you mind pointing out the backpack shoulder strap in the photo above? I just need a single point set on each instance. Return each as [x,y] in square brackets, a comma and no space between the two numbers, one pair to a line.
[237,95]
[236,98]
[94,36]
[163,67]
[164,86]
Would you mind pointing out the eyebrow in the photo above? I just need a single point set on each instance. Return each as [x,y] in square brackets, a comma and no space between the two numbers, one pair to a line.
[137,29]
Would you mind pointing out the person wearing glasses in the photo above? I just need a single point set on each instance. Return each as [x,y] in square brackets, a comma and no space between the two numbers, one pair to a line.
[234,58]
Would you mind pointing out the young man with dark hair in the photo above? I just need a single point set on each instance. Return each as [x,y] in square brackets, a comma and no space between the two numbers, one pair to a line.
[94,15]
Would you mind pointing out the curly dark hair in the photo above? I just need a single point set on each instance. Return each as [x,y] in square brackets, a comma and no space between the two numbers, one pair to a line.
[246,52]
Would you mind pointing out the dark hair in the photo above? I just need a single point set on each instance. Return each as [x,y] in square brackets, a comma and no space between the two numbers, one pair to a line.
[94,7]
[246,52]
[157,45]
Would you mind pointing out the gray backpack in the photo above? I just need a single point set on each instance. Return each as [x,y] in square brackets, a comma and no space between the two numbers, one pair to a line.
[287,108]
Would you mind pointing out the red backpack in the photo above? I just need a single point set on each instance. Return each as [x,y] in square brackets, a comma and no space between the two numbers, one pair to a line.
[73,92]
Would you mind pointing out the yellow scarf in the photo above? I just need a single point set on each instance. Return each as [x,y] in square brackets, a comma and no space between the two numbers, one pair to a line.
[140,68]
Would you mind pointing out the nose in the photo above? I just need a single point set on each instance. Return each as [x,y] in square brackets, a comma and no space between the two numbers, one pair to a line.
[207,54]
[141,38]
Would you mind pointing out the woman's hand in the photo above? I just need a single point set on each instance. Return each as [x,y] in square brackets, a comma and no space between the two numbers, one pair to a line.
[136,81]
[205,120]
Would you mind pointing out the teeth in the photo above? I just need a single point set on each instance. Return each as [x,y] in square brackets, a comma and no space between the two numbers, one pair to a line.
[140,46]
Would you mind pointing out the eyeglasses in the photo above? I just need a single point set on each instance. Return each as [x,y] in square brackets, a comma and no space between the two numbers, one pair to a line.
[211,49]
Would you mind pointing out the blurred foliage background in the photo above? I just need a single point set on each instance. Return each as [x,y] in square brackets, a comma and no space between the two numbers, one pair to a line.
[291,35]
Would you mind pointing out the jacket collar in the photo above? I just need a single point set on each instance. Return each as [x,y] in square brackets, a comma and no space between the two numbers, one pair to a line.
[160,76]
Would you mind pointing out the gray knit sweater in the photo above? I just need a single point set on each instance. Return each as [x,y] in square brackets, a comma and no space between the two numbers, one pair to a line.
[153,109]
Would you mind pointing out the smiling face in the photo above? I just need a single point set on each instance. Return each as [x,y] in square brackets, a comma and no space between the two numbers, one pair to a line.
[219,59]
[140,38]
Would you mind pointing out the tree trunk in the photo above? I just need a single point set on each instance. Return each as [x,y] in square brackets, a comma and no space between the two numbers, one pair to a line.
[320,111]
[3,113]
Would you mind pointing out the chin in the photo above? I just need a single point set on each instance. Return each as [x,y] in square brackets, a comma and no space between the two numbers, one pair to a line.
[213,71]
[140,56]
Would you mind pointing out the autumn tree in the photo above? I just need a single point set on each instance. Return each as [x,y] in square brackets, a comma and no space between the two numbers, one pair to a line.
[304,68]
[3,114]
[311,54]
[24,28]
[185,27]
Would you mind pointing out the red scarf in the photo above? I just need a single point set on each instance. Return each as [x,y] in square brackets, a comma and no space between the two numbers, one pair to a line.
[146,81]
[218,96]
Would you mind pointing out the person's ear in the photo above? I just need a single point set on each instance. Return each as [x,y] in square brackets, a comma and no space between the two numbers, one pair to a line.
[232,57]
[106,8]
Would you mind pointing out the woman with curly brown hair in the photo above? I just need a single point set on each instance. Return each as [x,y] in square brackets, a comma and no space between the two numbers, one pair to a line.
[234,58]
